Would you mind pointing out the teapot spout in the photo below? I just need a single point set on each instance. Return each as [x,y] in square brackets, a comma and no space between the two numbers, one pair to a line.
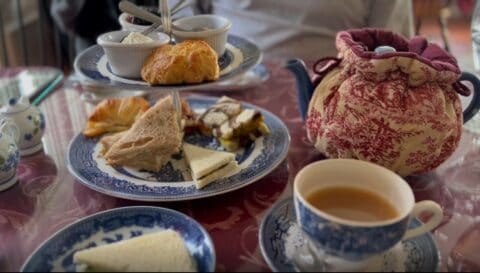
[305,86]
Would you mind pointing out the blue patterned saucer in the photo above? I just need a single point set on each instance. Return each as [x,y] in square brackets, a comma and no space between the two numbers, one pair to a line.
[56,253]
[286,250]
[241,55]
[172,184]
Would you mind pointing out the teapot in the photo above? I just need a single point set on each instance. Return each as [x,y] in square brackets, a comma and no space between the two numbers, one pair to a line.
[30,122]
[9,153]
[385,99]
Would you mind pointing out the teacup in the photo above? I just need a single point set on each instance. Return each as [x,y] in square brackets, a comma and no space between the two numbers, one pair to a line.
[9,153]
[357,240]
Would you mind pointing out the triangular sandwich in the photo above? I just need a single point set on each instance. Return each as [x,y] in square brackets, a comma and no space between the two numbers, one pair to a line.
[208,165]
[151,140]
[163,251]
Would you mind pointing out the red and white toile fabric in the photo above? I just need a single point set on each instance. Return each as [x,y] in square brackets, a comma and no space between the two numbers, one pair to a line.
[399,109]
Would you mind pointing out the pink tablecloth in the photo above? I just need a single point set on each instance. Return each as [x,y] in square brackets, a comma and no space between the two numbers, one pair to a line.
[48,198]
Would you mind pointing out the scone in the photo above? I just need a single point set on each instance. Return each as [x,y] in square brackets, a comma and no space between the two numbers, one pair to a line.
[192,61]
[151,141]
[115,115]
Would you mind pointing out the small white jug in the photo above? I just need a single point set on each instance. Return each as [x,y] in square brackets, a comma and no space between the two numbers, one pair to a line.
[9,153]
[30,122]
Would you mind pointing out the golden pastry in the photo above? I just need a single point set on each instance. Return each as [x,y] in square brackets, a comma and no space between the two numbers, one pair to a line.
[115,115]
[192,61]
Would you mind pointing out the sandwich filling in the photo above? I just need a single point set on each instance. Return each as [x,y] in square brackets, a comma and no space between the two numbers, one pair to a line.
[208,165]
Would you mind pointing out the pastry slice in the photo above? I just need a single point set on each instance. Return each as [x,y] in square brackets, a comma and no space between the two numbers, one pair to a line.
[151,140]
[233,125]
[115,115]
[208,165]
[163,251]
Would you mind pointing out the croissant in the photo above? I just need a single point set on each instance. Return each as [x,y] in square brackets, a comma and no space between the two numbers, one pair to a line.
[115,115]
[192,61]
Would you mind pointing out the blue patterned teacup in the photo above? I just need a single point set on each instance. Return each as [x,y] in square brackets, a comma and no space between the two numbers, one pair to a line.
[358,240]
[9,154]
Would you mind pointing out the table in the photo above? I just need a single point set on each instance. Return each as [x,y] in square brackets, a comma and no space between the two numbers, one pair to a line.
[48,198]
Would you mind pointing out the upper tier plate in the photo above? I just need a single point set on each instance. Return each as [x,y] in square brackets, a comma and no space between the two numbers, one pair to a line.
[241,55]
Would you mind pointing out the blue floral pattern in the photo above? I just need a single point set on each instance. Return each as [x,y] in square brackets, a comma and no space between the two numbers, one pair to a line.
[11,162]
[353,243]
[421,253]
[116,225]
[86,65]
[83,165]
[38,126]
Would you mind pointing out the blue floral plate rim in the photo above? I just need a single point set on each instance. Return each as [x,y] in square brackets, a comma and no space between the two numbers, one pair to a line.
[86,66]
[208,242]
[277,145]
[287,203]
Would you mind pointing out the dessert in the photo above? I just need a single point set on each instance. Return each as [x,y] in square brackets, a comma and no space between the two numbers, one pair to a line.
[192,61]
[233,125]
[151,140]
[115,115]
[136,38]
[207,165]
[163,251]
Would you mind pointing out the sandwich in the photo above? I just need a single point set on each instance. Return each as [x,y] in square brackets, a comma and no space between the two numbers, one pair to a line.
[163,251]
[151,141]
[207,165]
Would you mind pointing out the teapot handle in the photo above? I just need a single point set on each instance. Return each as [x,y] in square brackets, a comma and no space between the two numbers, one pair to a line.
[8,126]
[474,106]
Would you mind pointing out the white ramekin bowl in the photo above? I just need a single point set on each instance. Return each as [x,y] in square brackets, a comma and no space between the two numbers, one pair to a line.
[126,60]
[216,35]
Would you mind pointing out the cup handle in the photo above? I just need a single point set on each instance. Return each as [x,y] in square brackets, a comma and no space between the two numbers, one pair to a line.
[474,106]
[433,222]
[10,128]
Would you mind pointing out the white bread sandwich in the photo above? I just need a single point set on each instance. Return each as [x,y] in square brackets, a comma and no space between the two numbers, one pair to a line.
[163,251]
[151,140]
[208,165]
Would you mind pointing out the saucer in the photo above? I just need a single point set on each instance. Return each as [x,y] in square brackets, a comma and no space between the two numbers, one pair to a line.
[286,250]
[31,150]
[56,253]
[8,183]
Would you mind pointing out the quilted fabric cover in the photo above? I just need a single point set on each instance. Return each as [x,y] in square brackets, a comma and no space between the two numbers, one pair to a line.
[399,109]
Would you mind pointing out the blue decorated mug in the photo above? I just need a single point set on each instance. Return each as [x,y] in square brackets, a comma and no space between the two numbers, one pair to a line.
[357,240]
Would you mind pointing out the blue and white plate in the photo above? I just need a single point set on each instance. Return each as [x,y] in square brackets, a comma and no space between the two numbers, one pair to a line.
[173,183]
[56,253]
[241,55]
[254,77]
[286,250]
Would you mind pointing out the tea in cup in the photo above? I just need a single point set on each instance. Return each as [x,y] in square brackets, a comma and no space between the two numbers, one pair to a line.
[354,209]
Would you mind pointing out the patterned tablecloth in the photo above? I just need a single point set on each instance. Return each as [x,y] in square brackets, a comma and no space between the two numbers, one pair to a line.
[48,198]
